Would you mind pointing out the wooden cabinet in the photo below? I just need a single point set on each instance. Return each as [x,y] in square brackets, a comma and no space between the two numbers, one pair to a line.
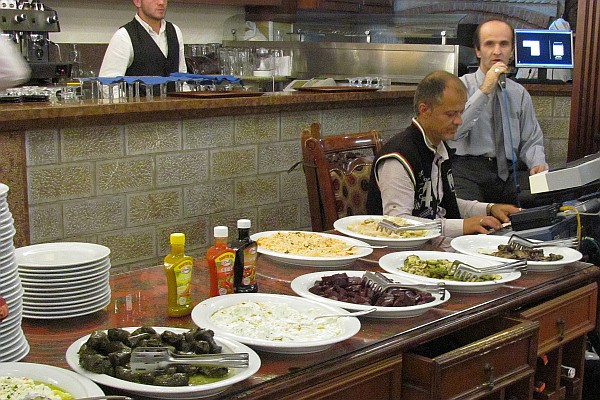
[232,2]
[286,9]
[379,381]
[564,322]
[472,363]
[349,6]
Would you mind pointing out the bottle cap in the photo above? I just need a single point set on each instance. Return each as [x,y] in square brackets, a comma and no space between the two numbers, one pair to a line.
[244,223]
[221,231]
[177,238]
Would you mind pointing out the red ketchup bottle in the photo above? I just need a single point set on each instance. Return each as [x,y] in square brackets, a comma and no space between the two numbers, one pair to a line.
[220,258]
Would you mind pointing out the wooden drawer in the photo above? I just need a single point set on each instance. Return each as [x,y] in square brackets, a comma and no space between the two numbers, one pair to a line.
[564,318]
[379,381]
[472,362]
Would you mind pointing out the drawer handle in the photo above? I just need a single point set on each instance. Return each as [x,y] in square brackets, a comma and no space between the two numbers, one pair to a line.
[560,324]
[489,370]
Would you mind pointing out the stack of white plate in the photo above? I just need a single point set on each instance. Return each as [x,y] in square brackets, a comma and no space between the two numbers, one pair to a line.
[13,344]
[63,280]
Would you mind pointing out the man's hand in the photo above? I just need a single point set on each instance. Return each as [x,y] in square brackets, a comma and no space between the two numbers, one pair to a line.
[481,224]
[537,169]
[502,211]
[491,77]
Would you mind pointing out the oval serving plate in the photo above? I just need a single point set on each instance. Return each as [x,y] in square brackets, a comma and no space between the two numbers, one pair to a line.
[482,245]
[75,384]
[341,225]
[201,315]
[303,283]
[170,392]
[394,261]
[319,262]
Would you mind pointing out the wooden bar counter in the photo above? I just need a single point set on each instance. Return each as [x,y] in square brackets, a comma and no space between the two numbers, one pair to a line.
[369,365]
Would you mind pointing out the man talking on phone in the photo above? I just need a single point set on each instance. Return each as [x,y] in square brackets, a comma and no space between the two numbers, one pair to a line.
[500,129]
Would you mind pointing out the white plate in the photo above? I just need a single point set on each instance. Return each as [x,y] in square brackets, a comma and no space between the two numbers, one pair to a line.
[8,234]
[17,354]
[61,253]
[80,276]
[64,296]
[473,244]
[69,381]
[60,304]
[301,284]
[68,287]
[314,261]
[394,261]
[34,314]
[201,315]
[164,392]
[64,286]
[59,269]
[18,341]
[341,225]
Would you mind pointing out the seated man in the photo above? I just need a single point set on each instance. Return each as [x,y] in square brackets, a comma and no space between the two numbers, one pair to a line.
[412,175]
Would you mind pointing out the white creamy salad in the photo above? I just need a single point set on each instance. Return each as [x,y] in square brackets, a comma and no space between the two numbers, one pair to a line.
[276,322]
[12,388]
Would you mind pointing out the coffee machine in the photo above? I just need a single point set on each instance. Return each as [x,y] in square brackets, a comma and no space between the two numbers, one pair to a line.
[28,24]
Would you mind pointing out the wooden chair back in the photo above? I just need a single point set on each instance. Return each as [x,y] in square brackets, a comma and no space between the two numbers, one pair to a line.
[337,170]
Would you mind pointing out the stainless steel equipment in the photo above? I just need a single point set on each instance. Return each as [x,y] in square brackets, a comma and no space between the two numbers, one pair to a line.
[29,26]
[403,63]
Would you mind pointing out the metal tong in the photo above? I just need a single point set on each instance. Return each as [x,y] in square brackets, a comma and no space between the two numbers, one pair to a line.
[388,226]
[380,283]
[153,358]
[465,272]
[520,243]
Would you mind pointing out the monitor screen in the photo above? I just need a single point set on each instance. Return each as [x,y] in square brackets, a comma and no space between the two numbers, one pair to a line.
[537,48]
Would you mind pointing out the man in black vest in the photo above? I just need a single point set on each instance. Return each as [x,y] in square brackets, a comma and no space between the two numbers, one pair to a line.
[412,175]
[146,46]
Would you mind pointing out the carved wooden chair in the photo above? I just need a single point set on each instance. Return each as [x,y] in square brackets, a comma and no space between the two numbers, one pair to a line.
[337,170]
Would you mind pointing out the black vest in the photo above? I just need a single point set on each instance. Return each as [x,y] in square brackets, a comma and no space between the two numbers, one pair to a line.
[148,60]
[412,148]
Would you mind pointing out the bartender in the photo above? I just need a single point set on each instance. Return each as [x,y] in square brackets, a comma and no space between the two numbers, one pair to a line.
[146,46]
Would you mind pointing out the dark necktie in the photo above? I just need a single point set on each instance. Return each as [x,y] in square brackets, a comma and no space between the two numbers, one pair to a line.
[499,137]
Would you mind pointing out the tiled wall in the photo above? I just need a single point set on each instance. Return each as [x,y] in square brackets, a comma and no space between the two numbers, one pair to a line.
[553,113]
[128,187]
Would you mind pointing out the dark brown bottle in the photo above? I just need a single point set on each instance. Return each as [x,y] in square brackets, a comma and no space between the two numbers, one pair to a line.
[244,268]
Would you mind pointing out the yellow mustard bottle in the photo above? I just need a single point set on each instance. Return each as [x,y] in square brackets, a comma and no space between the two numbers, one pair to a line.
[178,268]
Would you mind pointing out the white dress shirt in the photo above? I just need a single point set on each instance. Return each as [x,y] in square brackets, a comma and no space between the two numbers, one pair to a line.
[398,191]
[475,137]
[13,67]
[119,53]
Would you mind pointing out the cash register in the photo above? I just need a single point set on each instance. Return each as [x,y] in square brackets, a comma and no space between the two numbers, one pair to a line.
[563,192]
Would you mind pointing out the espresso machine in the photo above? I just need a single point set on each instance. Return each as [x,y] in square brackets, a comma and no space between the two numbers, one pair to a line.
[29,24]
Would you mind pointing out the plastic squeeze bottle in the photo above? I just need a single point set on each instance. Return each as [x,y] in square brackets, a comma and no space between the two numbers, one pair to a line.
[220,258]
[245,259]
[178,268]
